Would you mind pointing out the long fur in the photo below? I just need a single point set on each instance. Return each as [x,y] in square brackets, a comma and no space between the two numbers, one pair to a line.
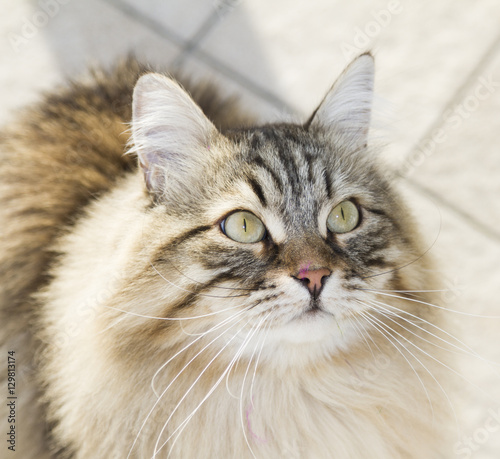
[145,330]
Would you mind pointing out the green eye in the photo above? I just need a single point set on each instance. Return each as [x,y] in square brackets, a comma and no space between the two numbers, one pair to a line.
[343,218]
[243,227]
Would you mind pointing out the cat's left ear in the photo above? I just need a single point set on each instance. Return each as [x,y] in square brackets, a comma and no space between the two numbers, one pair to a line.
[346,109]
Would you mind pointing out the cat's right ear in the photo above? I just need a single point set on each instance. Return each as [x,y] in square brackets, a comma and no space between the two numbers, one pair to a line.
[345,111]
[170,134]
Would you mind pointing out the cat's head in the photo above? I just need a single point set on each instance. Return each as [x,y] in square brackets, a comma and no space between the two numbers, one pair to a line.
[282,230]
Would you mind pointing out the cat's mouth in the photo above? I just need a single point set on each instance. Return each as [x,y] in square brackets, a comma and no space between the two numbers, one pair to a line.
[314,309]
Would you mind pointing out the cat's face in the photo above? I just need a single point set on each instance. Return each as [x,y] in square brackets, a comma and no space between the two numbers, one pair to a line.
[294,232]
[286,228]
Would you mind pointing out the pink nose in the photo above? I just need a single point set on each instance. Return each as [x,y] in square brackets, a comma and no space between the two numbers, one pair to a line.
[314,279]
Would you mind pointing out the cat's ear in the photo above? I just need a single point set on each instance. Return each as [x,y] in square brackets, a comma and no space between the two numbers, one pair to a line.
[346,108]
[171,134]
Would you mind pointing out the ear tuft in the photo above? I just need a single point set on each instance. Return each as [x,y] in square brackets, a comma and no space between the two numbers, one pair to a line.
[169,131]
[346,108]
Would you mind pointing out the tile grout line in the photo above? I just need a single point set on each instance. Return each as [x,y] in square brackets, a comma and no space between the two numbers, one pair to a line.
[191,49]
[458,95]
[462,90]
[138,16]
[468,219]
[257,90]
[213,18]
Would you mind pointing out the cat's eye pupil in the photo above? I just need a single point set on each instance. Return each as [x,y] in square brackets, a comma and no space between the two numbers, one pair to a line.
[244,225]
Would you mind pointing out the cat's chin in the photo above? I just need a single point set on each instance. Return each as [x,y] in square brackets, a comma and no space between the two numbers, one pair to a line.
[314,331]
[313,325]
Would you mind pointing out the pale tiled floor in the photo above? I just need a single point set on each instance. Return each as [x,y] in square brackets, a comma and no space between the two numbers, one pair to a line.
[438,74]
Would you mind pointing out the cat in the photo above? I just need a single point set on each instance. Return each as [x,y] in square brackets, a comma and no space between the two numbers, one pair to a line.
[180,281]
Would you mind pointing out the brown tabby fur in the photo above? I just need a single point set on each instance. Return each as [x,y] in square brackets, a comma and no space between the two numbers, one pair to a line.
[77,157]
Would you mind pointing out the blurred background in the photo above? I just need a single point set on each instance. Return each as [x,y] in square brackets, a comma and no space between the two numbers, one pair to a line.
[437,109]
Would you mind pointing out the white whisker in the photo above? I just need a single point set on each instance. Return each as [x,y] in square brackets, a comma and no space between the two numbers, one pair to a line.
[217,286]
[243,387]
[200,336]
[156,450]
[449,368]
[159,397]
[434,305]
[258,359]
[190,291]
[369,318]
[178,431]
[404,291]
[229,373]
[466,350]
[354,323]
[135,314]
[386,326]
